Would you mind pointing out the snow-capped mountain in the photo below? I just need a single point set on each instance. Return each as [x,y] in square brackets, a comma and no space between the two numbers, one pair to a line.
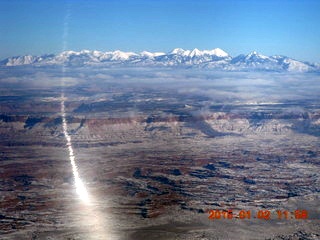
[180,56]
[213,59]
[257,61]
[23,60]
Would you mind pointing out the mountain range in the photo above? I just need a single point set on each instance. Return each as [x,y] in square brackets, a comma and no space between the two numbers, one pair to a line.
[211,59]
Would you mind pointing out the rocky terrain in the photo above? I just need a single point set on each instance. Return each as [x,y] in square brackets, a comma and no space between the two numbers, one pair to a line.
[155,160]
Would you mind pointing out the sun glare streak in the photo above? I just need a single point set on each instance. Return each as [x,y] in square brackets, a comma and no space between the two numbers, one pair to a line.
[93,221]
[80,187]
[97,222]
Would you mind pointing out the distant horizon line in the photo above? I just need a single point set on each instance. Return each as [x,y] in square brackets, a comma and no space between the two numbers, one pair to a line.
[153,52]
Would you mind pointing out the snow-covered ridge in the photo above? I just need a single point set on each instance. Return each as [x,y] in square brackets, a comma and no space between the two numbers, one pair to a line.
[214,59]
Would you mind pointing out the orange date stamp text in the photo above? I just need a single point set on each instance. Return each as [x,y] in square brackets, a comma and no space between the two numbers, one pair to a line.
[260,214]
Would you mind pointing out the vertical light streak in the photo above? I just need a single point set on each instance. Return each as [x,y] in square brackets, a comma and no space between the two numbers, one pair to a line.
[80,187]
[92,220]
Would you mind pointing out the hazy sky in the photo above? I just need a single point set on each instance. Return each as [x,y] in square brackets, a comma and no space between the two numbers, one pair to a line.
[270,27]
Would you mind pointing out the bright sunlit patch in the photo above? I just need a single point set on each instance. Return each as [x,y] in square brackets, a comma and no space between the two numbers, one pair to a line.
[80,187]
[82,191]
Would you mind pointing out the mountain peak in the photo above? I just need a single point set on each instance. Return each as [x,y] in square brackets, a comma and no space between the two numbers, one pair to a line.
[151,54]
[119,55]
[218,52]
[195,52]
[177,51]
[255,54]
